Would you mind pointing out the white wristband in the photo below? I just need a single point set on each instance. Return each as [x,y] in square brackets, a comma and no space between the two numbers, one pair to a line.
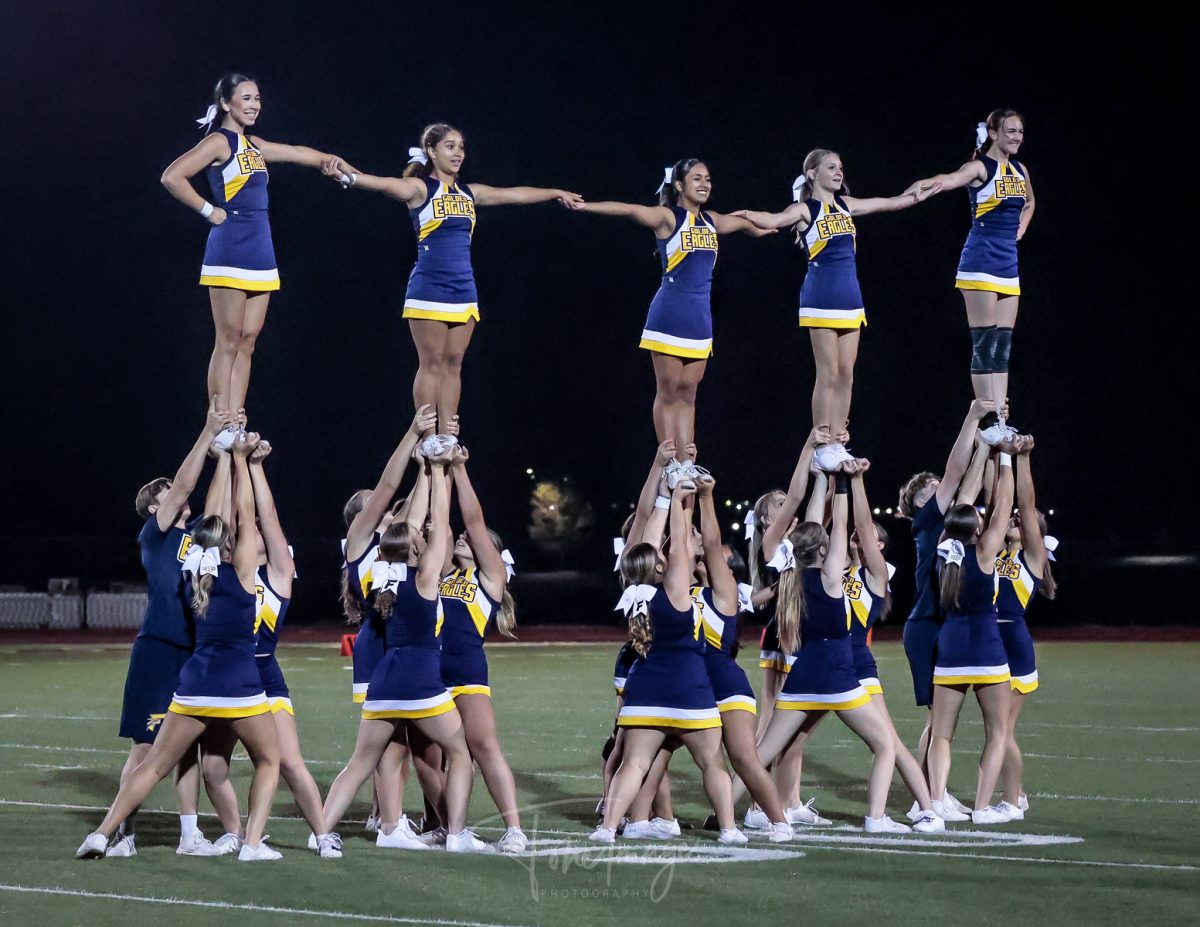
[207,209]
[1006,460]
[349,180]
[662,502]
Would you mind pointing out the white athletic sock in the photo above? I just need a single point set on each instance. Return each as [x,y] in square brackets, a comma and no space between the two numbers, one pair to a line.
[187,825]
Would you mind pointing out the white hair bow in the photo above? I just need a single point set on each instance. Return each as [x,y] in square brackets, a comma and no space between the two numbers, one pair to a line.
[292,554]
[750,523]
[635,600]
[785,557]
[798,187]
[891,568]
[386,576]
[952,551]
[201,561]
[745,602]
[509,563]
[668,179]
[618,549]
[209,115]
[1051,543]
[981,134]
[417,156]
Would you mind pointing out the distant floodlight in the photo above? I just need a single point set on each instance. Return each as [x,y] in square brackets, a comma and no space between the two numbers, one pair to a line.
[877,511]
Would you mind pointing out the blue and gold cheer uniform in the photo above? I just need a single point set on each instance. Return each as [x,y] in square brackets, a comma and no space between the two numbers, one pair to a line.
[830,296]
[239,253]
[441,286]
[680,318]
[989,257]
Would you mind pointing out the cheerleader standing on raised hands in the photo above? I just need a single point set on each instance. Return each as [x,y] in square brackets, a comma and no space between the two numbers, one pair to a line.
[441,304]
[474,595]
[220,683]
[678,330]
[668,694]
[831,303]
[1002,204]
[1024,571]
[407,688]
[239,259]
[970,652]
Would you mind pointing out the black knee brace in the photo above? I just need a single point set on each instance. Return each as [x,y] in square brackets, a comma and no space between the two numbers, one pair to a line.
[983,348]
[1001,347]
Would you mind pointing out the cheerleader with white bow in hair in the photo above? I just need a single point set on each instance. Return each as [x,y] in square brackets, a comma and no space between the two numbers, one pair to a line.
[1001,197]
[831,302]
[239,259]
[474,596]
[678,332]
[970,650]
[812,618]
[220,683]
[441,304]
[406,689]
[668,693]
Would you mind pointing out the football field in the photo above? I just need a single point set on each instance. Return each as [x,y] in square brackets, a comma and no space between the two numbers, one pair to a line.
[1112,744]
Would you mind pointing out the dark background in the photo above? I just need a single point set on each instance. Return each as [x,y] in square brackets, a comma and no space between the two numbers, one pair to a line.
[109,335]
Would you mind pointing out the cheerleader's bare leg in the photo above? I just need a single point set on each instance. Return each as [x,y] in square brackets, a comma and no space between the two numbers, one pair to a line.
[775,739]
[737,733]
[866,722]
[994,703]
[389,790]
[843,384]
[947,703]
[446,731]
[257,734]
[705,748]
[643,804]
[1014,760]
[373,737]
[641,747]
[450,385]
[295,773]
[479,722]
[430,338]
[677,381]
[176,736]
[910,770]
[982,313]
[216,751]
[427,761]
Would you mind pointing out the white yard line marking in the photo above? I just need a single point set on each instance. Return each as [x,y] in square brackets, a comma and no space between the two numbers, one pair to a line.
[1007,859]
[230,906]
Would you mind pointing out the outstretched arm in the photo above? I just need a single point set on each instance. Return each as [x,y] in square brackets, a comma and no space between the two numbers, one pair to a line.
[658,218]
[429,569]
[245,548]
[864,523]
[219,499]
[491,566]
[991,541]
[834,567]
[279,153]
[416,507]
[775,532]
[409,190]
[647,520]
[523,196]
[972,482]
[1032,541]
[773,221]
[362,529]
[960,454]
[955,180]
[864,207]
[678,578]
[189,471]
[281,568]
[737,222]
[720,577]
[815,510]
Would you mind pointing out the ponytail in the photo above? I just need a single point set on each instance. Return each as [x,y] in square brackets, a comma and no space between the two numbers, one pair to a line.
[961,525]
[950,577]
[212,533]
[639,633]
[791,605]
[1049,587]
[350,607]
[200,594]
[506,621]
[385,601]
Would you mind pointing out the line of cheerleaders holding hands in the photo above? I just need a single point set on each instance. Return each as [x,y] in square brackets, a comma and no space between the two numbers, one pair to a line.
[211,683]
[442,304]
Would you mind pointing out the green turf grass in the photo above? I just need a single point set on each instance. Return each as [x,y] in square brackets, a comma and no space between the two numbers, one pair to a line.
[1111,739]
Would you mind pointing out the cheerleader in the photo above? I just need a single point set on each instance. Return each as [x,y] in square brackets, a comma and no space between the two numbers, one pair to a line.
[718,606]
[1024,571]
[970,651]
[831,303]
[868,594]
[678,330]
[219,684]
[441,304]
[165,642]
[474,595]
[369,514]
[924,500]
[668,693]
[811,615]
[1001,196]
[774,515]
[406,688]
[239,259]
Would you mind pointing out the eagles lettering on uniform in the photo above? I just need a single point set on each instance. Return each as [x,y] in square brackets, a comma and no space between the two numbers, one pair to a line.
[453,205]
[989,257]
[699,238]
[184,546]
[830,296]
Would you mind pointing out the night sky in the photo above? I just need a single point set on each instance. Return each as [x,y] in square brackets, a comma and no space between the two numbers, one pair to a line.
[109,334]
